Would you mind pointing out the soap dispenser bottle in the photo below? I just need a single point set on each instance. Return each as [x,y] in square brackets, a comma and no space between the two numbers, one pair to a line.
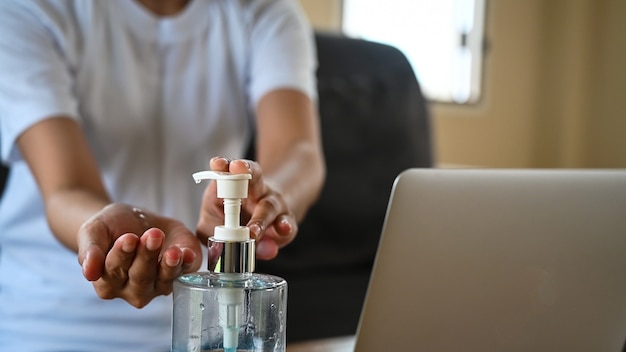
[229,308]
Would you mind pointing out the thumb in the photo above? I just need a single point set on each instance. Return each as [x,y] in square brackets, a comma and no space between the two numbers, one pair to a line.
[92,262]
[93,243]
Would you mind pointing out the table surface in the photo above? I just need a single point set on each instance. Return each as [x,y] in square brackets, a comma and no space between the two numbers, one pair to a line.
[337,344]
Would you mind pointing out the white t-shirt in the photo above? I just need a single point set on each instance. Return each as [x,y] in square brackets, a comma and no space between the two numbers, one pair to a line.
[156,97]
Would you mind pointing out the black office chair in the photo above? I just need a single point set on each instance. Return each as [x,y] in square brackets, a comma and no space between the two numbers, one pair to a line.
[374,124]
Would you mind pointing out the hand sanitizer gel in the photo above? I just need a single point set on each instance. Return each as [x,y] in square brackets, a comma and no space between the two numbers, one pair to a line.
[229,308]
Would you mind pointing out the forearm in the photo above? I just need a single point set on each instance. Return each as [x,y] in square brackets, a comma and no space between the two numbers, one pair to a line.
[289,148]
[66,173]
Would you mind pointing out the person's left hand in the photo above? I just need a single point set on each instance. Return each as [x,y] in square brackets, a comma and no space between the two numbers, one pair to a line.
[265,211]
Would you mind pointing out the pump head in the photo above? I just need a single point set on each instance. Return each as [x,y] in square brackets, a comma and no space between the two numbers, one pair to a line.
[228,185]
[235,247]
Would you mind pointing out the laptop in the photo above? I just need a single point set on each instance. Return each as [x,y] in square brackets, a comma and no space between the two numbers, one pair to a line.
[500,260]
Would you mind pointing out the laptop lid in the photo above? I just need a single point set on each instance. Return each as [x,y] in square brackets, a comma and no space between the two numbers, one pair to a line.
[500,260]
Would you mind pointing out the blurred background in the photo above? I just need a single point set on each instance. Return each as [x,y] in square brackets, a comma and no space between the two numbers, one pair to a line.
[542,82]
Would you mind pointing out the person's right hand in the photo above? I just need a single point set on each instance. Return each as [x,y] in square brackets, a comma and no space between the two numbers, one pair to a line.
[272,224]
[135,255]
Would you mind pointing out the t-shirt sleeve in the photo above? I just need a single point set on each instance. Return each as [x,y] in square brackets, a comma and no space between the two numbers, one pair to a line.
[282,51]
[36,81]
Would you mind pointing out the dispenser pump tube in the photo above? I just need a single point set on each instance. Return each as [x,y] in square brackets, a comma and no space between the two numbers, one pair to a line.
[237,254]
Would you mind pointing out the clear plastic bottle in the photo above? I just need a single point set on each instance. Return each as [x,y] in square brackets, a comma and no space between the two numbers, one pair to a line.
[229,308]
[260,325]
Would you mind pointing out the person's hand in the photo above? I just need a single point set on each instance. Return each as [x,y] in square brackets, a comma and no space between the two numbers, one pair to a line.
[271,222]
[133,255]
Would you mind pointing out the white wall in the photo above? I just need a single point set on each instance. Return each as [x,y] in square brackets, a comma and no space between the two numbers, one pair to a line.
[554,86]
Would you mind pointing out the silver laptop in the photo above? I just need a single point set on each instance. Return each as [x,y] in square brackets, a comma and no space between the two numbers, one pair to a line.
[500,260]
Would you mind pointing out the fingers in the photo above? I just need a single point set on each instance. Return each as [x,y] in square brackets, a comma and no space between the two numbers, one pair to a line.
[266,205]
[239,166]
[183,255]
[279,235]
[286,227]
[257,187]
[269,214]
[169,269]
[131,268]
[143,272]
[276,234]
[266,249]
[219,163]
[119,260]
[138,269]
[175,262]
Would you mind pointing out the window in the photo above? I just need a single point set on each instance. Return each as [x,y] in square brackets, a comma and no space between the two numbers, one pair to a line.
[442,39]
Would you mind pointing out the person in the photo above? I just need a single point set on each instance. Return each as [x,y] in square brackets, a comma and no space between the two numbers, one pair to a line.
[106,109]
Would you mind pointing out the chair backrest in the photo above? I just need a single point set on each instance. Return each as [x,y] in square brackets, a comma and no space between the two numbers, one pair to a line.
[374,123]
